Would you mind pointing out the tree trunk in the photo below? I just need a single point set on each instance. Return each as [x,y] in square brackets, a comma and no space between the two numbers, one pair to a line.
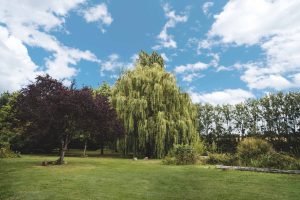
[64,147]
[125,145]
[84,150]
[102,147]
[102,151]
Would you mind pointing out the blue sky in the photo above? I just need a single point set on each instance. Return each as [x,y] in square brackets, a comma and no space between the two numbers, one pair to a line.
[219,51]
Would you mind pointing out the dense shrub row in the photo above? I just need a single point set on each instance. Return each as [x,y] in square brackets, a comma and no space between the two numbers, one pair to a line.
[251,152]
[252,149]
[254,152]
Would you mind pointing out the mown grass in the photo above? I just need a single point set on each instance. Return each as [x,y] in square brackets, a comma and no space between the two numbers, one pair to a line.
[116,178]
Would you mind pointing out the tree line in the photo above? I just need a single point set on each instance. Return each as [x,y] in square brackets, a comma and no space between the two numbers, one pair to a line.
[274,117]
[144,113]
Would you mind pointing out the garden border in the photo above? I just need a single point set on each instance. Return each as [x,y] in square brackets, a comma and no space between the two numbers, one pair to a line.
[256,169]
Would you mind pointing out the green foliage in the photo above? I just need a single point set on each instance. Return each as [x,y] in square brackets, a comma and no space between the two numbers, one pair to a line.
[274,117]
[7,153]
[213,147]
[251,148]
[275,160]
[149,60]
[255,153]
[155,113]
[103,90]
[169,160]
[199,147]
[8,128]
[222,159]
[182,155]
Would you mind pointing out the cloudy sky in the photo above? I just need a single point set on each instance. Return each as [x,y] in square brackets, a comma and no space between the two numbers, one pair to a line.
[220,51]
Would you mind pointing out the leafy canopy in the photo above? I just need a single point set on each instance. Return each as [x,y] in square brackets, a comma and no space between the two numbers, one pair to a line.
[155,113]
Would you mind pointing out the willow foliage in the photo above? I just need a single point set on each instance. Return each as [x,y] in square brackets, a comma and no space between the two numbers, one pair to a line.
[156,115]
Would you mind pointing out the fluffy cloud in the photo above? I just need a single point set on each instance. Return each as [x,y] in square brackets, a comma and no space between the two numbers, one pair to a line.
[164,38]
[261,78]
[98,13]
[206,6]
[16,67]
[30,23]
[275,27]
[191,71]
[191,67]
[191,77]
[228,96]
[113,64]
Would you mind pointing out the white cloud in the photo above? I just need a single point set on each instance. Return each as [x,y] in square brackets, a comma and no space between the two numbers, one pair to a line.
[275,27]
[31,23]
[206,6]
[191,77]
[164,56]
[113,64]
[98,13]
[191,71]
[198,66]
[228,96]
[61,67]
[16,67]
[164,38]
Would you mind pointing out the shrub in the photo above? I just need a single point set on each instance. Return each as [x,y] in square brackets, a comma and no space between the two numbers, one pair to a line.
[199,147]
[169,160]
[181,155]
[276,160]
[7,153]
[221,159]
[252,148]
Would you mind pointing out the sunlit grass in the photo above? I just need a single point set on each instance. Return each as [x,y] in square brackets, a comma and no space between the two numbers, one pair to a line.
[117,178]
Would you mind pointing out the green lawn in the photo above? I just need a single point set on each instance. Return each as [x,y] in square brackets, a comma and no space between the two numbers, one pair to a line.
[116,178]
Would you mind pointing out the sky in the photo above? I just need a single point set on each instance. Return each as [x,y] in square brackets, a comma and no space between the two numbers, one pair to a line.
[220,51]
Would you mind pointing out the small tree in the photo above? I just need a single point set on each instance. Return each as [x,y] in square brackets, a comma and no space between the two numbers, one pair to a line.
[53,113]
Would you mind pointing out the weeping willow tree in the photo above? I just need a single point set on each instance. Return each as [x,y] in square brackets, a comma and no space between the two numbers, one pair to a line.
[155,113]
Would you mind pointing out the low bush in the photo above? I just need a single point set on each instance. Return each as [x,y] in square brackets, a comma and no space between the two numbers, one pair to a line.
[221,159]
[276,161]
[169,160]
[7,153]
[182,155]
[251,149]
[199,147]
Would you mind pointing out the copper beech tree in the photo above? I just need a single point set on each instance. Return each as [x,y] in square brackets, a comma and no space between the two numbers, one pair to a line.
[52,111]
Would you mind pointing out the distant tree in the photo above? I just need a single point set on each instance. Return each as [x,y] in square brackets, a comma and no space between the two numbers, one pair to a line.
[274,117]
[240,119]
[254,116]
[103,90]
[206,123]
[8,128]
[4,98]
[155,113]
